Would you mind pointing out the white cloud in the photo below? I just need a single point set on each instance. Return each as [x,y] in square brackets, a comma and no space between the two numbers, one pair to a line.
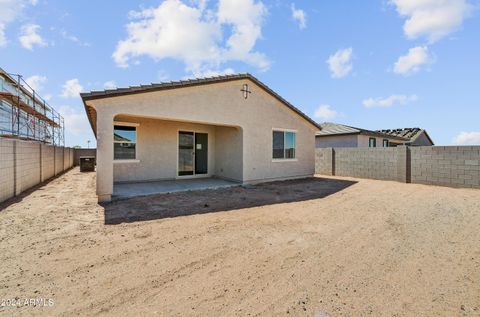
[29,36]
[325,112]
[467,138]
[76,121]
[110,84]
[73,38]
[47,97]
[36,82]
[340,63]
[412,62]
[300,16]
[195,34]
[71,88]
[389,101]
[9,10]
[433,19]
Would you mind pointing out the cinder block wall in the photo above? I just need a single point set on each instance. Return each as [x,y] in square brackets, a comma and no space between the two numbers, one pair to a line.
[25,164]
[376,163]
[455,166]
[66,157]
[323,161]
[7,169]
[58,160]
[72,157]
[48,161]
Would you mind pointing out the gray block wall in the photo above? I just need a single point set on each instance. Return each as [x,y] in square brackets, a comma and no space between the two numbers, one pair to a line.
[58,160]
[71,156]
[323,161]
[48,161]
[25,164]
[455,166]
[376,163]
[66,156]
[7,169]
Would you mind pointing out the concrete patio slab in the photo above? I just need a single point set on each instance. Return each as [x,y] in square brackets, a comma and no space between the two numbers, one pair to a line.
[125,190]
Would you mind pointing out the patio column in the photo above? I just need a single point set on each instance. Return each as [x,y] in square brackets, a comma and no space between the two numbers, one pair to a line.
[104,156]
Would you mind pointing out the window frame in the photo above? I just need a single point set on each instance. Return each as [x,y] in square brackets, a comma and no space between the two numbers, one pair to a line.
[387,141]
[374,142]
[284,159]
[126,124]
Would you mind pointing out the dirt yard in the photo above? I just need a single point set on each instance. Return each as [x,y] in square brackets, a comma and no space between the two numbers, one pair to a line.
[321,247]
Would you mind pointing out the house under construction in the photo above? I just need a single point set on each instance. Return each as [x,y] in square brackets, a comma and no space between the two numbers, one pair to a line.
[25,115]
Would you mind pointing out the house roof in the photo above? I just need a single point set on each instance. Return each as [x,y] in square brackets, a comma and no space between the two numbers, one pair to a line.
[181,84]
[410,133]
[330,128]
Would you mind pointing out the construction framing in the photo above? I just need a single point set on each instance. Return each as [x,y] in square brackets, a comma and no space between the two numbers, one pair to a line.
[25,115]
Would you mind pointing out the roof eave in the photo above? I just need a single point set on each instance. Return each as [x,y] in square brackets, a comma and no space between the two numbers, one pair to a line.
[89,118]
[335,134]
[189,83]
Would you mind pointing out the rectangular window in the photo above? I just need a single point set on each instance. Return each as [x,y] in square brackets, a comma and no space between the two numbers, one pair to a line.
[284,144]
[386,143]
[372,142]
[124,142]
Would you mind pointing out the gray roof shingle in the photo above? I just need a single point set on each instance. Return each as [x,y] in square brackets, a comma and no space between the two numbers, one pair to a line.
[330,128]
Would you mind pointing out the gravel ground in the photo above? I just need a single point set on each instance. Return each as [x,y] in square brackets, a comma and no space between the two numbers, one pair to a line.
[317,247]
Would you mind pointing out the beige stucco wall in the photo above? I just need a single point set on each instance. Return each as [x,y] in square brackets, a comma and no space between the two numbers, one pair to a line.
[220,104]
[348,140]
[228,153]
[351,140]
[157,149]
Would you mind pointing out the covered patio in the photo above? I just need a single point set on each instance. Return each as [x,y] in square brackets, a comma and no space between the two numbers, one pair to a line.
[134,189]
[156,156]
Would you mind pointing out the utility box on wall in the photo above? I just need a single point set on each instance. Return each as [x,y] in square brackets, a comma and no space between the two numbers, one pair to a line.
[87,164]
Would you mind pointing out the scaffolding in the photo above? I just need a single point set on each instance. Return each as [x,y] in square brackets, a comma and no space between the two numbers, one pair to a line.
[25,115]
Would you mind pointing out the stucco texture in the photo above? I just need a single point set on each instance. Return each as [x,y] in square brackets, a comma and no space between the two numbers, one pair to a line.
[350,140]
[240,133]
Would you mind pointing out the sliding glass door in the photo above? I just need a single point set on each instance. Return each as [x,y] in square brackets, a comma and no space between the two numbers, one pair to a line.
[192,153]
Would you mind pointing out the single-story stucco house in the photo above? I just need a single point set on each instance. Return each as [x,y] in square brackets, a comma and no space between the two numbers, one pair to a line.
[416,136]
[232,127]
[339,135]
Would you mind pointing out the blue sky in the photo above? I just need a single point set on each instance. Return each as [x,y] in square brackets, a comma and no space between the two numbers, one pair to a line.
[371,64]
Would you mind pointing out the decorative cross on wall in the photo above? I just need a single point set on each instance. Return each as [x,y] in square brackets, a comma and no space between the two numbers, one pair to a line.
[246,91]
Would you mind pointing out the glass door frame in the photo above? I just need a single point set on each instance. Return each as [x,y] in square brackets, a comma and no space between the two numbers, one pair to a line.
[193,175]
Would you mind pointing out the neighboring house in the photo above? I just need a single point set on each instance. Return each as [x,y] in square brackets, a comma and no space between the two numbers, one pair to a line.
[416,136]
[339,135]
[232,127]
